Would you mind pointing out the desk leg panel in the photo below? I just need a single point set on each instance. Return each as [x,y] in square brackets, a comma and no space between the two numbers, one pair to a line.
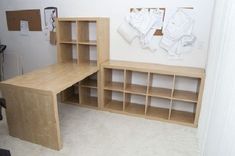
[32,115]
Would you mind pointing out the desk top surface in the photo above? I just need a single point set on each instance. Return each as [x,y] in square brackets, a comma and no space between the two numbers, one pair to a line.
[54,78]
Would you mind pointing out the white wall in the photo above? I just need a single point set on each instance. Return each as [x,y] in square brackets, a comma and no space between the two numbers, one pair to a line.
[217,121]
[36,51]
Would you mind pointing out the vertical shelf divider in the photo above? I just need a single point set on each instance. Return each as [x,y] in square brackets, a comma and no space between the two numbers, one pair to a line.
[149,83]
[198,107]
[124,87]
[171,102]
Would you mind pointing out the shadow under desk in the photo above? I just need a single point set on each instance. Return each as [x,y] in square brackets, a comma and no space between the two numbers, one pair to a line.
[32,110]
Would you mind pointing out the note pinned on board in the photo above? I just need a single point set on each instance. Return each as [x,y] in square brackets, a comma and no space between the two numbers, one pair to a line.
[24,28]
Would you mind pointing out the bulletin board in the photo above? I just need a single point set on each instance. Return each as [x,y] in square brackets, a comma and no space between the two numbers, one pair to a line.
[32,16]
[158,31]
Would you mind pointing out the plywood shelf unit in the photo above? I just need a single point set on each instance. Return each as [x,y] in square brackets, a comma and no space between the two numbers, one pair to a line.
[85,40]
[166,93]
[83,93]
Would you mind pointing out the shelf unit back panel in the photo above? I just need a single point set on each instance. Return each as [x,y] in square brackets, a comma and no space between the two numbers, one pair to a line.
[162,94]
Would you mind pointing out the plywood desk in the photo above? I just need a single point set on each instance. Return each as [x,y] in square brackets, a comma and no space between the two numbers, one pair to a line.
[32,113]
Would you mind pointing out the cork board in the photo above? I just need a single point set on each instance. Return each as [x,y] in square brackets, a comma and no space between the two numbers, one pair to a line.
[32,16]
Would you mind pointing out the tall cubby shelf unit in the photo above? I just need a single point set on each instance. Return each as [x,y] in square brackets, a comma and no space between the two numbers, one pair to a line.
[84,41]
[166,93]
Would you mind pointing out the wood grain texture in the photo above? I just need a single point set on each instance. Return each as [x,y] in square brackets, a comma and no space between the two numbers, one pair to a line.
[54,78]
[148,91]
[32,115]
[156,68]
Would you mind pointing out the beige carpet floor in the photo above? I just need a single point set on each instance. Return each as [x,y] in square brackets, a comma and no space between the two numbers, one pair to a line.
[87,132]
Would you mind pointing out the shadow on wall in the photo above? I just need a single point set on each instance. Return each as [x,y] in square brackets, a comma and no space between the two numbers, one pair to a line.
[12,65]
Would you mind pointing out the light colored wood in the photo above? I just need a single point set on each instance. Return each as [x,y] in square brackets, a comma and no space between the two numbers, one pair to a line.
[136,89]
[172,92]
[186,96]
[69,42]
[158,112]
[198,106]
[114,105]
[35,93]
[149,84]
[181,116]
[90,83]
[91,101]
[135,108]
[156,68]
[54,78]
[32,115]
[33,96]
[103,41]
[86,98]
[116,86]
[83,43]
[148,111]
[160,92]
[87,42]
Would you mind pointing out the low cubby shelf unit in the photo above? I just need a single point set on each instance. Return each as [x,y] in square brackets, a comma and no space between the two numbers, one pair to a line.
[161,92]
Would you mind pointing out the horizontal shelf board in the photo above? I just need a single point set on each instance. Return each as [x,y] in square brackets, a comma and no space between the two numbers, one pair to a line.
[90,63]
[160,92]
[67,19]
[162,113]
[137,89]
[89,83]
[72,99]
[135,108]
[181,116]
[94,43]
[116,86]
[90,101]
[187,96]
[68,42]
[114,105]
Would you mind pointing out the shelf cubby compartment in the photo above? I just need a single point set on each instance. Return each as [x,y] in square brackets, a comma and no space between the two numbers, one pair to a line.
[67,52]
[88,96]
[87,32]
[186,89]
[113,100]
[70,95]
[135,104]
[161,85]
[182,111]
[158,108]
[136,82]
[90,81]
[113,79]
[87,54]
[67,30]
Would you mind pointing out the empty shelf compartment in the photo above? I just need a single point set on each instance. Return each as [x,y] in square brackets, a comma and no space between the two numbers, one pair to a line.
[113,79]
[136,82]
[70,95]
[88,97]
[135,104]
[182,116]
[113,100]
[160,92]
[158,107]
[185,96]
[90,82]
